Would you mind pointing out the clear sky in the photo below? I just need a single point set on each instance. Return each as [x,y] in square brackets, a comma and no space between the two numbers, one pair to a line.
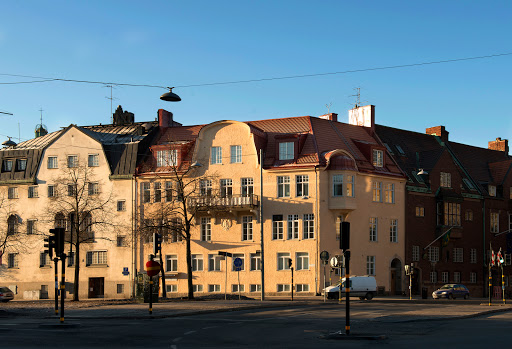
[181,43]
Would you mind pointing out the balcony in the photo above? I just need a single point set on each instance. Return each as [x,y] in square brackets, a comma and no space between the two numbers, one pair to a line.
[343,203]
[228,203]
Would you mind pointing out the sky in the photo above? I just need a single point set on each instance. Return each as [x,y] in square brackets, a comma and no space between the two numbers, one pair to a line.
[206,43]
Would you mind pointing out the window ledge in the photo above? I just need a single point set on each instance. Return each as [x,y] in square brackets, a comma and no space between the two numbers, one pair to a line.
[97,266]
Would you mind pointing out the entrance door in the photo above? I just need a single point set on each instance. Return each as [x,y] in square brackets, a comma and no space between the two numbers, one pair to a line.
[96,287]
[396,277]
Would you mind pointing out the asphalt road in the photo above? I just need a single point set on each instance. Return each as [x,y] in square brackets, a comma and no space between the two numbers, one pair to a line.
[304,326]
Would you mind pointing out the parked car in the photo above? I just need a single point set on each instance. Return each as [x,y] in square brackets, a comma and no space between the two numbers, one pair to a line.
[364,287]
[6,294]
[451,291]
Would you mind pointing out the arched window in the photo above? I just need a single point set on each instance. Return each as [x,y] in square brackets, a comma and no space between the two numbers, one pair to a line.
[12,224]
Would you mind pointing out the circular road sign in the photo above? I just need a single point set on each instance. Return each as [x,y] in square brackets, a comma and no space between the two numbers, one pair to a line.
[334,262]
[152,268]
[237,262]
[324,256]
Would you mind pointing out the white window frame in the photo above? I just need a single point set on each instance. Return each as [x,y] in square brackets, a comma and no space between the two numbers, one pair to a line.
[301,185]
[197,262]
[286,150]
[433,254]
[378,158]
[349,185]
[337,185]
[308,226]
[301,288]
[456,277]
[494,220]
[255,262]
[167,158]
[216,156]
[283,186]
[171,263]
[121,205]
[93,160]
[393,230]
[283,288]
[247,228]
[52,162]
[52,190]
[415,253]
[72,161]
[370,265]
[293,227]
[445,277]
[236,154]
[214,288]
[458,255]
[277,229]
[373,229]
[93,188]
[492,190]
[282,260]
[301,261]
[473,255]
[389,193]
[247,186]
[377,191]
[214,262]
[255,288]
[98,257]
[445,180]
[12,193]
[33,192]
[472,277]
[237,255]
[206,229]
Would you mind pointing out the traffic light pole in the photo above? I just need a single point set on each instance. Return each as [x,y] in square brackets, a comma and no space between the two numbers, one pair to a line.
[292,282]
[62,286]
[347,292]
[151,291]
[56,260]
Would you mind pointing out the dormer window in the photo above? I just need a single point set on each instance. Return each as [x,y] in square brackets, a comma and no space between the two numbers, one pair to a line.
[7,166]
[286,151]
[165,158]
[378,158]
[21,164]
[492,190]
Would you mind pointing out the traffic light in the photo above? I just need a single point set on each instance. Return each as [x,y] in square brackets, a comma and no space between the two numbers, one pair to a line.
[344,236]
[56,241]
[157,243]
[49,244]
[289,262]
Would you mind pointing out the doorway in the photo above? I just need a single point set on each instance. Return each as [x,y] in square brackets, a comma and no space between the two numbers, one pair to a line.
[396,277]
[96,287]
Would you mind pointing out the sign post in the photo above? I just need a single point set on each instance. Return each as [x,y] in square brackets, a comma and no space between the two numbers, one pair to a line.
[344,246]
[324,256]
[152,269]
[238,266]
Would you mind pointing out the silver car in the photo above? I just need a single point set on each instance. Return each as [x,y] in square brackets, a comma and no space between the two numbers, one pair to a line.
[6,294]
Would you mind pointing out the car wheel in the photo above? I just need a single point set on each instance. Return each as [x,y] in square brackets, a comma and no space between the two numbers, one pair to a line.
[361,298]
[466,296]
[369,296]
[450,296]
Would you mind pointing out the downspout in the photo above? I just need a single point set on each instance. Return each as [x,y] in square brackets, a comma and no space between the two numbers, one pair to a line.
[483,258]
[134,242]
[317,260]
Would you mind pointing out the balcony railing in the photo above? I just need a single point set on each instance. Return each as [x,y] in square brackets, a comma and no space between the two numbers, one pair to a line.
[229,202]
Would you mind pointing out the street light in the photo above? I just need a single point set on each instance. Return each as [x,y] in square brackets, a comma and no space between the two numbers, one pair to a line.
[170,96]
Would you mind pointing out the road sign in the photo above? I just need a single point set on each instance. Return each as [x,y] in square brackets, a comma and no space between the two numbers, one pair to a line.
[334,262]
[125,271]
[238,264]
[324,256]
[152,268]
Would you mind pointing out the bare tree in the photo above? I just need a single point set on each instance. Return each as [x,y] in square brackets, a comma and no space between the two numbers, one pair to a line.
[12,238]
[82,205]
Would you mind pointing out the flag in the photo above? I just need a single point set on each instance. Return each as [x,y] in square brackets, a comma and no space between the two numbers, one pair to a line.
[500,257]
[446,239]
[492,258]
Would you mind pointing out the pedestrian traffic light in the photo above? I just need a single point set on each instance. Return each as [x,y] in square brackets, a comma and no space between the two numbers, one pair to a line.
[157,243]
[344,236]
[57,239]
[49,244]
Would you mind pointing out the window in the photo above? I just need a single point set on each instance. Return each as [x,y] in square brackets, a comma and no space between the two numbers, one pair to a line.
[389,193]
[370,265]
[121,205]
[12,225]
[492,190]
[31,226]
[146,192]
[246,228]
[205,187]
[451,214]
[415,253]
[171,262]
[446,180]
[495,222]
[282,261]
[12,193]
[12,260]
[377,191]
[458,255]
[213,288]
[206,229]
[197,262]
[433,277]
[96,258]
[277,227]
[472,277]
[72,161]
[165,158]
[120,288]
[337,185]
[286,151]
[388,148]
[293,226]
[237,288]
[94,188]
[433,254]
[373,228]
[60,220]
[349,185]
[508,258]
[52,162]
[400,150]
[176,229]
[52,192]
[393,230]
[7,166]
[71,189]
[121,241]
[157,188]
[308,231]
[420,211]
[456,277]
[44,260]
[21,164]
[237,255]
[168,191]
[255,288]
[214,262]
[302,288]
[93,160]
[472,255]
[283,288]
[197,288]
[445,277]
[302,183]
[468,216]
[255,261]
[216,157]
[33,192]
[283,186]
[236,154]
[339,219]
[378,158]
[247,186]
[468,184]
[226,188]
[302,261]
[71,259]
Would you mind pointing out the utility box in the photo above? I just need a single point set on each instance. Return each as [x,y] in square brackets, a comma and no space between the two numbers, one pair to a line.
[142,288]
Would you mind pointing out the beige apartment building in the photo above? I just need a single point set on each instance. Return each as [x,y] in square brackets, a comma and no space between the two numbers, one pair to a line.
[314,173]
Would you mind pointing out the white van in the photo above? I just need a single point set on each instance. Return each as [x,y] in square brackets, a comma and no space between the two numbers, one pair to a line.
[364,287]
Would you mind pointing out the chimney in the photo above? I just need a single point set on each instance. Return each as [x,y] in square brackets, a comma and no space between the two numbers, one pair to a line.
[330,116]
[121,117]
[165,118]
[499,144]
[438,131]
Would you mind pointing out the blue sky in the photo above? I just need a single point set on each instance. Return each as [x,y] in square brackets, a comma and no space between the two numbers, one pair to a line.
[181,43]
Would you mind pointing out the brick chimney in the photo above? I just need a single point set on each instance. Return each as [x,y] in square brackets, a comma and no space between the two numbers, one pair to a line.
[439,131]
[164,118]
[330,116]
[499,144]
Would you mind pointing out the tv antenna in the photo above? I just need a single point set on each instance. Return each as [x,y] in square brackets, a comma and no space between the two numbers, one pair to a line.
[111,99]
[328,106]
[358,97]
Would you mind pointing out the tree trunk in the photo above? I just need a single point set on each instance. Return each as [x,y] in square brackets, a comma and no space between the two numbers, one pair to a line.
[162,276]
[189,264]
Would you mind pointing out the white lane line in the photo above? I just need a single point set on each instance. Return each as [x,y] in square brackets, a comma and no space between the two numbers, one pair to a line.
[177,339]
[209,327]
[174,346]
[189,332]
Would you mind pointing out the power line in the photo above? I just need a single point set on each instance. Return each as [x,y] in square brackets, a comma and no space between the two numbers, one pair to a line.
[47,79]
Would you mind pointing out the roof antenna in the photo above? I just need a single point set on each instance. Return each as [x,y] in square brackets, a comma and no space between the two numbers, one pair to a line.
[358,97]
[111,99]
[328,106]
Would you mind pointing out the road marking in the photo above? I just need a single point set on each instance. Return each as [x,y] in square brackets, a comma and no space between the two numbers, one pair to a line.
[177,339]
[189,332]
[208,327]
[174,346]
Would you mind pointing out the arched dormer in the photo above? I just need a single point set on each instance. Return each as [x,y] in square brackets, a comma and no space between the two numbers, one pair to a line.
[339,159]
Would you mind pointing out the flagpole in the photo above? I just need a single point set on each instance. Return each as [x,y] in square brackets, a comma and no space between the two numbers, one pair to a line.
[440,236]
